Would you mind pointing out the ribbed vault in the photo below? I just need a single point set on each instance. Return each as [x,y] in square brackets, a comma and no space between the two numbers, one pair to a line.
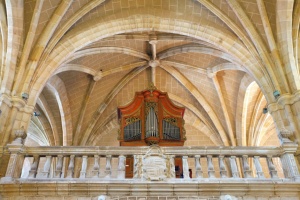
[79,60]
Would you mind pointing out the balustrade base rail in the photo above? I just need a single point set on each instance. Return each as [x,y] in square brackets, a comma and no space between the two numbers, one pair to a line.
[138,188]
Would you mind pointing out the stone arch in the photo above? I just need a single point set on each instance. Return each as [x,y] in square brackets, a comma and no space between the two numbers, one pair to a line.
[135,23]
[15,27]
[60,92]
[241,112]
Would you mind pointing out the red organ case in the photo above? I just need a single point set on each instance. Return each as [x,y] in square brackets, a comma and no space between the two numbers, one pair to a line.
[151,118]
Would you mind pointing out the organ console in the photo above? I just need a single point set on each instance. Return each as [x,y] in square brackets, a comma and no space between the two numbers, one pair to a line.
[151,118]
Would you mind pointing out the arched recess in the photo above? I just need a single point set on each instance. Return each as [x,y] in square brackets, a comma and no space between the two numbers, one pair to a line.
[187,48]
[241,111]
[265,131]
[75,67]
[14,10]
[42,103]
[284,16]
[40,130]
[59,89]
[87,70]
[37,134]
[3,39]
[141,23]
[99,50]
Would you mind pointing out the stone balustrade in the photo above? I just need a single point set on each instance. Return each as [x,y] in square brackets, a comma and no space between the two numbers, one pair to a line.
[150,163]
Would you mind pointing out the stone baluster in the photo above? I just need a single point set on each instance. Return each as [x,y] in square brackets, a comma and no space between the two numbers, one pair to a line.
[70,171]
[59,165]
[137,170]
[210,167]
[271,166]
[246,167]
[185,166]
[234,169]
[46,170]
[289,164]
[83,167]
[121,167]
[34,166]
[223,171]
[171,167]
[198,168]
[258,167]
[95,171]
[108,166]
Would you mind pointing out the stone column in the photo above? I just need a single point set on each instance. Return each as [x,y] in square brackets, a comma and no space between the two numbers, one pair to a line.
[121,167]
[234,169]
[138,165]
[95,171]
[185,166]
[258,167]
[34,166]
[108,166]
[70,171]
[272,170]
[59,165]
[15,164]
[210,167]
[83,167]
[46,170]
[171,167]
[289,163]
[198,168]
[246,167]
[223,171]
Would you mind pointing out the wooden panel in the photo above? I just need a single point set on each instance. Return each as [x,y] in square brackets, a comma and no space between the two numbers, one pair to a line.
[129,167]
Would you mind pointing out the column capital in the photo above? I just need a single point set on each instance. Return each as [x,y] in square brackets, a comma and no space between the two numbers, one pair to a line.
[283,100]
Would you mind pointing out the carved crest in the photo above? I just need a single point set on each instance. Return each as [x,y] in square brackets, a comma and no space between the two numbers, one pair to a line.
[154,164]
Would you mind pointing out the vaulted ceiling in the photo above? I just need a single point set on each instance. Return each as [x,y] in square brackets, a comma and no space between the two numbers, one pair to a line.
[94,55]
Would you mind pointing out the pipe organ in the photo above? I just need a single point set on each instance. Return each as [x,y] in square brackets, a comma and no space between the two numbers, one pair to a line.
[151,118]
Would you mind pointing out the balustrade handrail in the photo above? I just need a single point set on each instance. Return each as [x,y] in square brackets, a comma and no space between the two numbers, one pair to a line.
[237,161]
[116,151]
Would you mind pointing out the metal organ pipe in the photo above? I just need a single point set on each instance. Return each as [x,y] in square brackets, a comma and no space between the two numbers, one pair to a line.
[151,124]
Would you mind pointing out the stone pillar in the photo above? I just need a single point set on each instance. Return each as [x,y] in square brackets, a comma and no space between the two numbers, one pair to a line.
[46,170]
[258,167]
[121,167]
[210,167]
[289,163]
[198,168]
[70,171]
[34,166]
[234,169]
[138,165]
[246,167]
[171,167]
[272,169]
[83,167]
[223,171]
[15,164]
[59,165]
[185,166]
[95,171]
[108,166]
